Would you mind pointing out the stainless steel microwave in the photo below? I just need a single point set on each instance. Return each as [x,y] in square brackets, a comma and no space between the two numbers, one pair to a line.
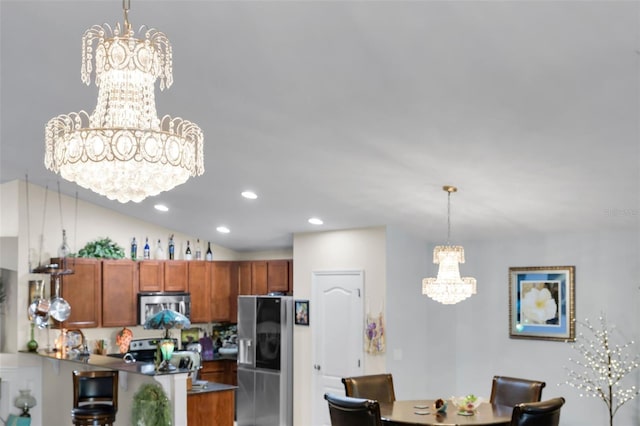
[150,304]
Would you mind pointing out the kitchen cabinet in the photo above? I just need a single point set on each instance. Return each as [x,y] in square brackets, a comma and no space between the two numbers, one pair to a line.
[259,277]
[244,277]
[211,408]
[214,371]
[278,276]
[119,293]
[176,275]
[221,292]
[163,275]
[200,289]
[220,371]
[151,275]
[82,290]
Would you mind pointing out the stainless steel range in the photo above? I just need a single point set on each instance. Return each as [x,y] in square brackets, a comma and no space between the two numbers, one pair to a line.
[143,350]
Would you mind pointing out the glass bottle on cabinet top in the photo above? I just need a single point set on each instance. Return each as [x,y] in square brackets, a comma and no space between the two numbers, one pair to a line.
[134,249]
[209,254]
[198,250]
[187,252]
[172,248]
[159,251]
[147,249]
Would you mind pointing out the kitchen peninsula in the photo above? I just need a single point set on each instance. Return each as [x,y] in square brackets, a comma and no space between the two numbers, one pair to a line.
[213,401]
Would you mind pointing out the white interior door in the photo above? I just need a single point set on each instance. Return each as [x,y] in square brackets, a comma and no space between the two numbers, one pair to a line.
[337,329]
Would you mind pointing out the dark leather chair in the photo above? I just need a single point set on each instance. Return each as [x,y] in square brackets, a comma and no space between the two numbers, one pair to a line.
[347,411]
[378,387]
[510,391]
[544,413]
[95,398]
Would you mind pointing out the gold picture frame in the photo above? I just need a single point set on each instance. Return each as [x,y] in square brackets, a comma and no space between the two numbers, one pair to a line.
[542,303]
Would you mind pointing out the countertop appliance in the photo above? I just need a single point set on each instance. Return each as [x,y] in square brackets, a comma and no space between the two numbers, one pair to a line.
[150,304]
[142,350]
[265,361]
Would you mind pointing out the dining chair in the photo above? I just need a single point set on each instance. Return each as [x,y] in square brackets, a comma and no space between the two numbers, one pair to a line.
[378,387]
[543,413]
[348,411]
[510,391]
[95,397]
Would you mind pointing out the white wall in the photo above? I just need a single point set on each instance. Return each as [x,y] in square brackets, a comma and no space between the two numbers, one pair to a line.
[358,249]
[457,349]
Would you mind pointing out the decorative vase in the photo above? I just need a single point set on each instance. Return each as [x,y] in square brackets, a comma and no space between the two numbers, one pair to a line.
[25,401]
[32,345]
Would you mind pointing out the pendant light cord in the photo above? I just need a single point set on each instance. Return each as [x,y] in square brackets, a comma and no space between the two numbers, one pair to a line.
[448,218]
[60,206]
[26,178]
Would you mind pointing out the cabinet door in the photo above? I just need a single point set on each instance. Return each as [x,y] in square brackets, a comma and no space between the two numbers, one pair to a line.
[244,278]
[221,291]
[278,276]
[176,275]
[119,293]
[213,371]
[233,294]
[82,290]
[259,277]
[151,275]
[200,289]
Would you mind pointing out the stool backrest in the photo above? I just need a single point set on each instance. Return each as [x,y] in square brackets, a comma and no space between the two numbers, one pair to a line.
[91,387]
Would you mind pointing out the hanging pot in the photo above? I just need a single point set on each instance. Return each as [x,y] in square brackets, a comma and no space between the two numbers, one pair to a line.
[59,308]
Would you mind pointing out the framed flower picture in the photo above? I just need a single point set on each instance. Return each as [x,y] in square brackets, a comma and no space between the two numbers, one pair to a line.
[302,312]
[542,303]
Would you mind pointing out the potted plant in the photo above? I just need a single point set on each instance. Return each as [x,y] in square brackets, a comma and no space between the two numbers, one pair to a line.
[103,248]
[151,407]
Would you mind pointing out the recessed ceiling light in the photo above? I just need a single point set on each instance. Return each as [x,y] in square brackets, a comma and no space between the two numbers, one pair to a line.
[249,195]
[161,207]
[223,229]
[316,221]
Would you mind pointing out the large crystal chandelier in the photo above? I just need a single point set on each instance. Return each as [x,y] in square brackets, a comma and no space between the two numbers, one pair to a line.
[448,287]
[123,150]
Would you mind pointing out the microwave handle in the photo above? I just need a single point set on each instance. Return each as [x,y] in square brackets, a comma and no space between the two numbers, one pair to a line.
[183,308]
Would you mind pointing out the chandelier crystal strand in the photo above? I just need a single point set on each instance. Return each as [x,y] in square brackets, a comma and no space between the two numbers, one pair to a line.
[123,150]
[448,287]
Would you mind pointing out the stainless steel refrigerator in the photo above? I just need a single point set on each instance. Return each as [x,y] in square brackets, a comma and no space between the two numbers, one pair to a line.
[265,361]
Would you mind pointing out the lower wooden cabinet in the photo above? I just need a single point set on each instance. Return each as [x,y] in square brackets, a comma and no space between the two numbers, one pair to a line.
[211,408]
[221,371]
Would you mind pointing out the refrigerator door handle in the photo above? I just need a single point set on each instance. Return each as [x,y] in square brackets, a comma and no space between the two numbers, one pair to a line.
[245,352]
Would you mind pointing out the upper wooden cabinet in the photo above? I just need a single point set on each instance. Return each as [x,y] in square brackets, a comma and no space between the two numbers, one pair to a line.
[151,275]
[221,292]
[200,289]
[163,275]
[259,277]
[244,277]
[82,290]
[119,293]
[278,276]
[176,275]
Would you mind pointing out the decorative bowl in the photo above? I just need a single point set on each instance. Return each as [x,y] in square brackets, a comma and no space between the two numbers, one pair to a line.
[441,408]
[466,405]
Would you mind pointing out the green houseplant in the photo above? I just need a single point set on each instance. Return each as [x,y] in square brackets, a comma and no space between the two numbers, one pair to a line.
[151,407]
[103,248]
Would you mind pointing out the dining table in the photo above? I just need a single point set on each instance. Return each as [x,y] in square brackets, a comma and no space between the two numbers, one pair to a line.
[423,412]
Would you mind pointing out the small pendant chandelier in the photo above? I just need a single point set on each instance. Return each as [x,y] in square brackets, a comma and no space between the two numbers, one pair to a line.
[123,150]
[448,287]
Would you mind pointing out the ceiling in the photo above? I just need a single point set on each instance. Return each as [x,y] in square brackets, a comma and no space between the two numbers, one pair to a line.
[359,112]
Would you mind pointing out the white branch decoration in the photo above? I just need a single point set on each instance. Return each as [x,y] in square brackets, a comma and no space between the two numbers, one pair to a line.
[603,366]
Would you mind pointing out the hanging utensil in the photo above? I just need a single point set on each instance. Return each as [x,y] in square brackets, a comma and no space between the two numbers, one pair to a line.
[59,308]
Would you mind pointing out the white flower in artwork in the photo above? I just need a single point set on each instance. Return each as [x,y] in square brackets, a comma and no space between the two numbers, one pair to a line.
[538,306]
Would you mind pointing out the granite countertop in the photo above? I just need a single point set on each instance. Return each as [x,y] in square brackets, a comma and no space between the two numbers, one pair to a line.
[210,387]
[103,361]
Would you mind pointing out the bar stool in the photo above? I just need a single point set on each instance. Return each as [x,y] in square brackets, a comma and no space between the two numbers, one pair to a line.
[95,398]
